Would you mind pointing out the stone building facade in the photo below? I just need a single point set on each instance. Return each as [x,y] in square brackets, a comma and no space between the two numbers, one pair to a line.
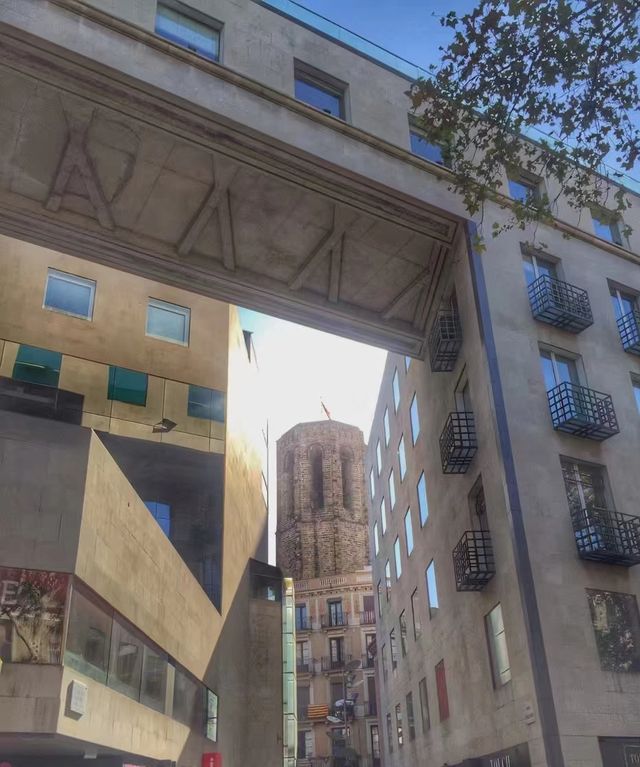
[322,515]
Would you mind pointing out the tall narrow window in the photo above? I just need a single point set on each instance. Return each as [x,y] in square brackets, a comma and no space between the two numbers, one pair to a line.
[383,659]
[395,387]
[211,726]
[69,294]
[387,579]
[383,516]
[403,633]
[408,532]
[623,302]
[557,369]
[387,428]
[635,384]
[379,457]
[380,598]
[407,363]
[411,725]
[372,484]
[402,458]
[417,627]
[423,503]
[302,621]
[346,462]
[500,666]
[586,489]
[393,647]
[536,267]
[616,624]
[415,419]
[317,477]
[376,539]
[398,560]
[399,725]
[289,470]
[441,686]
[375,743]
[389,734]
[432,591]
[392,491]
[192,31]
[424,705]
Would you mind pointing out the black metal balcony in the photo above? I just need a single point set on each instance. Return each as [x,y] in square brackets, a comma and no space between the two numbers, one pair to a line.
[629,328]
[328,620]
[368,661]
[305,667]
[560,304]
[329,664]
[458,443]
[303,624]
[582,412]
[609,536]
[445,340]
[473,562]
[41,401]
[368,618]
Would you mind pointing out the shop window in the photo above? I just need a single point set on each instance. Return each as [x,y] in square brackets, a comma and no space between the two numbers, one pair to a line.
[88,637]
[125,666]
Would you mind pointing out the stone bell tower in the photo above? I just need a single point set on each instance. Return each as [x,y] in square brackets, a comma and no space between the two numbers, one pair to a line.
[322,516]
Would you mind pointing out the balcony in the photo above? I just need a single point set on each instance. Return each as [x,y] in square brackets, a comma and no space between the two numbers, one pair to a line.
[334,664]
[445,340]
[368,618]
[629,329]
[582,412]
[560,304]
[303,624]
[458,443]
[473,562]
[305,667]
[603,535]
[40,400]
[368,661]
[329,621]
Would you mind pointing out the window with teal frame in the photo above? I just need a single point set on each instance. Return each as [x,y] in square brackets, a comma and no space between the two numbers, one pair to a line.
[127,386]
[39,366]
[205,403]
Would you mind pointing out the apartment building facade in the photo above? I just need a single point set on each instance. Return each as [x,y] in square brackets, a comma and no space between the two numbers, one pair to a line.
[135,615]
[322,541]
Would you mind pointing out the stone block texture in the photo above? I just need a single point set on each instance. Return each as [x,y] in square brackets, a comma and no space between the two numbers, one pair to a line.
[322,515]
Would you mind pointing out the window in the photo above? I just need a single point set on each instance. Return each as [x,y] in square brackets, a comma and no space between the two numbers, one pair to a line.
[399,725]
[423,504]
[441,686]
[407,363]
[402,458]
[392,490]
[425,149]
[535,267]
[500,666]
[387,429]
[557,369]
[463,398]
[154,679]
[38,366]
[408,532]
[303,695]
[320,90]
[432,591]
[616,624]
[302,622]
[205,403]
[607,226]
[623,303]
[336,616]
[192,31]
[302,656]
[417,628]
[383,655]
[376,539]
[346,472]
[387,579]
[128,386]
[383,516]
[162,514]
[411,725]
[396,555]
[395,386]
[380,598]
[336,651]
[379,457]
[424,704]
[389,733]
[305,743]
[415,420]
[370,655]
[211,724]
[125,665]
[523,187]
[403,633]
[586,489]
[393,648]
[317,477]
[188,699]
[635,383]
[169,322]
[88,637]
[69,294]
[372,484]
[375,742]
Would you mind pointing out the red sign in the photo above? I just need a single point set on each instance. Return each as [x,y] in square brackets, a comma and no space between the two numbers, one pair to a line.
[213,759]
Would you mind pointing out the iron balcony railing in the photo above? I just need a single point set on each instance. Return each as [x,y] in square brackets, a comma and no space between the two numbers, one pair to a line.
[473,562]
[368,617]
[560,304]
[368,661]
[303,624]
[458,443]
[605,535]
[445,340]
[334,664]
[582,412]
[305,667]
[330,621]
[629,329]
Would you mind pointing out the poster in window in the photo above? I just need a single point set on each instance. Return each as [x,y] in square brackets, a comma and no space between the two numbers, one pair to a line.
[32,604]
